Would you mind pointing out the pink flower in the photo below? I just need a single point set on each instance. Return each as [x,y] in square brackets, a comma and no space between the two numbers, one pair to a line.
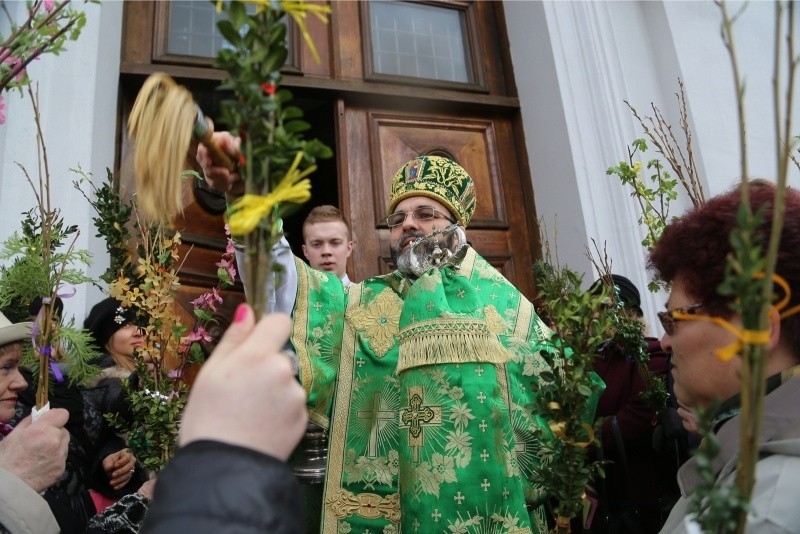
[228,266]
[208,301]
[201,334]
[48,4]
[230,249]
[14,62]
[2,110]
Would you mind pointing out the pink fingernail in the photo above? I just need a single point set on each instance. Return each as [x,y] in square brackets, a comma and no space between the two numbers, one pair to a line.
[241,313]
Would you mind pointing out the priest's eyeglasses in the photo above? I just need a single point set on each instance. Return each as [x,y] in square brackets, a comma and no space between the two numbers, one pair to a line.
[668,318]
[423,213]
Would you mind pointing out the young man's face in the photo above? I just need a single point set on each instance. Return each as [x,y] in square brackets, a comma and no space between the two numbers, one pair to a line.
[327,246]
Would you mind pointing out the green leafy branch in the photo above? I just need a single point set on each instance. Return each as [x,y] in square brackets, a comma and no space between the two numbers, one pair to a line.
[628,333]
[654,200]
[111,221]
[715,505]
[274,156]
[569,391]
[153,433]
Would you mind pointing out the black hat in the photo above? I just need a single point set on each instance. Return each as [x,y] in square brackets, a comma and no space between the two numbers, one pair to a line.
[628,293]
[106,317]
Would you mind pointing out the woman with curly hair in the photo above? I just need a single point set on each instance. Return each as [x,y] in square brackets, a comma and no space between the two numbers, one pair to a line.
[691,255]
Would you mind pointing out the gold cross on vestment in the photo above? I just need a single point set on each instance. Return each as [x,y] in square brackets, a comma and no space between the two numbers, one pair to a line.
[416,415]
[378,418]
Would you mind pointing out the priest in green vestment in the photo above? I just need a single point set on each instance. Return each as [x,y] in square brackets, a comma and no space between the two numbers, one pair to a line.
[425,378]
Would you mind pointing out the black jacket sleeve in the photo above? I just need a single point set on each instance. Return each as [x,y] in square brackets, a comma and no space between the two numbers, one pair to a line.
[213,487]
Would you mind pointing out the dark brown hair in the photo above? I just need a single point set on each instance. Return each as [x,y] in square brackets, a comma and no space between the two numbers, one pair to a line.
[695,248]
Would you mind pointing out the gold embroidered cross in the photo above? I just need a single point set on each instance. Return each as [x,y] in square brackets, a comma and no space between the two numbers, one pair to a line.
[415,416]
[378,419]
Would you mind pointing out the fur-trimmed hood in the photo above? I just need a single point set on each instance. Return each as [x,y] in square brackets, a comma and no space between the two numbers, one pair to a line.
[115,371]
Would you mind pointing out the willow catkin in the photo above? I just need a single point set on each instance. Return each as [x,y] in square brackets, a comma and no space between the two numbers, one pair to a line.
[160,126]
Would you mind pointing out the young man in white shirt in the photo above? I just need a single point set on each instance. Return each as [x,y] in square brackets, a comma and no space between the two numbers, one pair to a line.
[326,241]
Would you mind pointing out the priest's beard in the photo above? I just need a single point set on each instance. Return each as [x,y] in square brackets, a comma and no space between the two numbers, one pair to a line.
[402,257]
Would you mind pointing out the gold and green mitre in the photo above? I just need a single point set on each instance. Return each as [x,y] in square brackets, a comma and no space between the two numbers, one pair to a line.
[438,178]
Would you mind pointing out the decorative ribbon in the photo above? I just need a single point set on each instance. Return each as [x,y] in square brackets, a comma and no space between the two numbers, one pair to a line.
[745,336]
[247,211]
[47,350]
[559,429]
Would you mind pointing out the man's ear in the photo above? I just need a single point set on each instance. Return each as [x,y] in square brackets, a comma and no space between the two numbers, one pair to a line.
[305,253]
[349,248]
[774,328]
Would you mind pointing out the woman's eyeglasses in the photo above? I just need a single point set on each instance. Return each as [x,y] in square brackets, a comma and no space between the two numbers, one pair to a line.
[423,213]
[668,318]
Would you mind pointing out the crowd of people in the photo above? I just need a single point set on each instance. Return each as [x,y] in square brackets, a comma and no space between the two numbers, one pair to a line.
[423,379]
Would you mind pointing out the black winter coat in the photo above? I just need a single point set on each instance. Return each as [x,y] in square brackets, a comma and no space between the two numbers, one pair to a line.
[212,487]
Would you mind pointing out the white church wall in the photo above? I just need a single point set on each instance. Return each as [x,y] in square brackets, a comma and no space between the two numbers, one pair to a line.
[78,102]
[575,63]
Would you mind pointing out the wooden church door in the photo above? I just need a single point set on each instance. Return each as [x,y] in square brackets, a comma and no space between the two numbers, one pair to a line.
[397,79]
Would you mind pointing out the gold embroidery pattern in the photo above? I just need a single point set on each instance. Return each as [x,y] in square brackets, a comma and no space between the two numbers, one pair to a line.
[369,505]
[428,282]
[494,321]
[300,326]
[379,321]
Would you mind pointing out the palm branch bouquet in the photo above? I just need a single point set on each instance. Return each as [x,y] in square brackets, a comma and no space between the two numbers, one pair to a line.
[143,276]
[275,160]
[569,391]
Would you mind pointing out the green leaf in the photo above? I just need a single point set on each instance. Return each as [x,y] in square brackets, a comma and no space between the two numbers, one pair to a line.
[275,60]
[296,126]
[203,315]
[229,33]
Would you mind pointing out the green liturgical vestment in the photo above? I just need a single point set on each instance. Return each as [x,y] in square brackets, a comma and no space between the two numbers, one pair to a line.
[426,390]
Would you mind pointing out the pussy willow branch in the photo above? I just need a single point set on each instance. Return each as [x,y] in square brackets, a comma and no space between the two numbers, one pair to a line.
[47,217]
[663,138]
[603,265]
[753,356]
[752,372]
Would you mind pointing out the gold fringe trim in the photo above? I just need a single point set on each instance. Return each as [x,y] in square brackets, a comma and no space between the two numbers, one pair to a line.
[434,343]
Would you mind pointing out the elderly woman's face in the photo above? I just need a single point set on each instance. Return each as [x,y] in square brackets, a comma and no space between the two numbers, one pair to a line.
[11,381]
[125,341]
[699,374]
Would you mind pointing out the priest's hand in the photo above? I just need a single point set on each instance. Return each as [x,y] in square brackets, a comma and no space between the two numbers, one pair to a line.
[217,175]
[246,393]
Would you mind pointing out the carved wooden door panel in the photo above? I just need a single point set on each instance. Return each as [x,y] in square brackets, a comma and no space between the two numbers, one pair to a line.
[375,143]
